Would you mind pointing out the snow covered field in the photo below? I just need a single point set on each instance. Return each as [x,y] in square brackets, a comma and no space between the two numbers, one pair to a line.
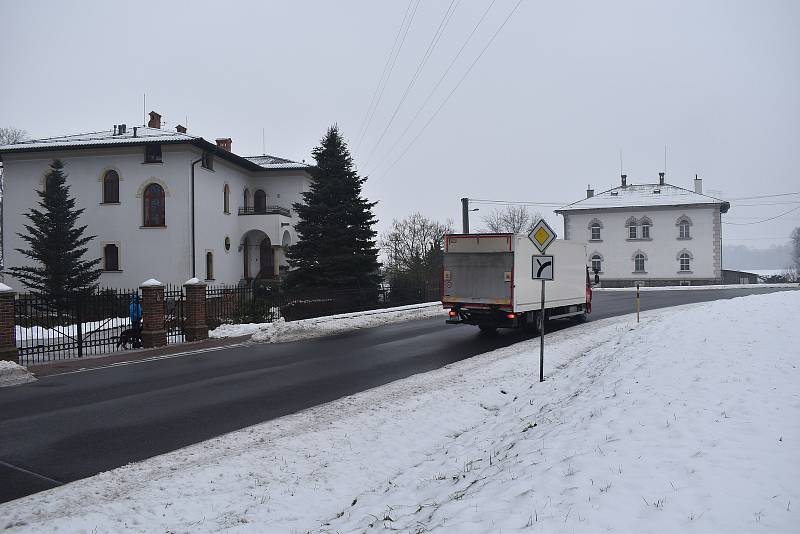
[282,331]
[686,422]
[698,288]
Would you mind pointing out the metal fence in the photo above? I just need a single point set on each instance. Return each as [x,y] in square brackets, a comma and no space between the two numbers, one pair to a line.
[82,325]
[261,304]
[174,314]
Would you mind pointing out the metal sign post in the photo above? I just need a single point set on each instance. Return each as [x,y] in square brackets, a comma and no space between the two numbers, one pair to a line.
[637,303]
[542,269]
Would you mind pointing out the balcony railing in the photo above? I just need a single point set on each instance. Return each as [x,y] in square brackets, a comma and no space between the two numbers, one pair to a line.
[265,210]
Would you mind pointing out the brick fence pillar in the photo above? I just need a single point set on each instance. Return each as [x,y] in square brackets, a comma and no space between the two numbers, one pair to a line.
[154,334]
[196,326]
[8,337]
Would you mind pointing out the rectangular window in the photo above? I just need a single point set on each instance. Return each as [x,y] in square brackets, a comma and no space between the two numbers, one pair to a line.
[595,232]
[152,154]
[632,232]
[208,161]
[645,231]
[111,258]
[684,231]
[684,264]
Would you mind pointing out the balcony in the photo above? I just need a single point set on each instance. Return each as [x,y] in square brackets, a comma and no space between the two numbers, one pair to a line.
[265,210]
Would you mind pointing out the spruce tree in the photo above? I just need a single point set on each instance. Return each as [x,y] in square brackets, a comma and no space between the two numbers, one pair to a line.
[336,248]
[57,246]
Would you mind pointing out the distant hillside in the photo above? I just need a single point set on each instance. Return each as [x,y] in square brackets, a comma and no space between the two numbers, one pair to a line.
[743,257]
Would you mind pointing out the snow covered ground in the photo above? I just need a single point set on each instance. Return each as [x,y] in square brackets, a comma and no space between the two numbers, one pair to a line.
[697,288]
[282,331]
[686,422]
[12,374]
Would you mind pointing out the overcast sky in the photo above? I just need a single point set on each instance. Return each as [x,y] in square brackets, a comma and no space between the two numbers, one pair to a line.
[545,111]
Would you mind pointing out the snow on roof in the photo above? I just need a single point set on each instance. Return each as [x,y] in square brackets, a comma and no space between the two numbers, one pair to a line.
[132,135]
[643,195]
[139,135]
[273,162]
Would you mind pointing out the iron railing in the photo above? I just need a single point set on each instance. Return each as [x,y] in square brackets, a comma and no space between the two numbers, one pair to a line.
[174,314]
[77,326]
[265,210]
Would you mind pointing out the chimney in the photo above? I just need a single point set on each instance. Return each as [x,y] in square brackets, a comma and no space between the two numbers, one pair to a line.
[589,191]
[122,129]
[661,178]
[624,180]
[155,120]
[180,128]
[225,144]
[115,129]
[698,185]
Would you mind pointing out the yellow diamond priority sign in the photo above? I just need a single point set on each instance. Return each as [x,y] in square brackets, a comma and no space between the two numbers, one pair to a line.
[542,235]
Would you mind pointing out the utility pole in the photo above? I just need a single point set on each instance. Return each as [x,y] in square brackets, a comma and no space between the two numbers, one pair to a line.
[465,215]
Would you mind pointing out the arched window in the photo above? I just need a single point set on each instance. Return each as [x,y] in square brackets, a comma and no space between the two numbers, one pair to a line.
[111,187]
[260,201]
[683,230]
[227,244]
[110,258]
[154,206]
[247,203]
[597,263]
[209,265]
[226,199]
[595,227]
[684,260]
[684,223]
[646,224]
[638,262]
[630,224]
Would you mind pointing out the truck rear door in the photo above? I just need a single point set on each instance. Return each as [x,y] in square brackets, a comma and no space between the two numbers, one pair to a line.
[478,269]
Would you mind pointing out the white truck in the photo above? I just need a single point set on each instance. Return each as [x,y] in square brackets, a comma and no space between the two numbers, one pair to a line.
[487,281]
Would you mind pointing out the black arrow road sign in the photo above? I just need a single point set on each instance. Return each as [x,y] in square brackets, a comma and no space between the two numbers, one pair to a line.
[542,267]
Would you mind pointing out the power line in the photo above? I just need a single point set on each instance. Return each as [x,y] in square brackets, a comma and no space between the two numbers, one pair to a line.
[460,81]
[438,84]
[383,73]
[765,220]
[391,68]
[767,196]
[776,203]
[519,202]
[436,36]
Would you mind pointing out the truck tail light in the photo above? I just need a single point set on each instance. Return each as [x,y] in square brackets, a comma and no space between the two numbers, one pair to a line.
[452,313]
[511,316]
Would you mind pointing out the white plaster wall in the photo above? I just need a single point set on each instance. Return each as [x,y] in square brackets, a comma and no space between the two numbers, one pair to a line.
[661,251]
[144,252]
[162,253]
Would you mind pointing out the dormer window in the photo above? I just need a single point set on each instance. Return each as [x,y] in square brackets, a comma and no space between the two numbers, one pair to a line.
[152,154]
[208,161]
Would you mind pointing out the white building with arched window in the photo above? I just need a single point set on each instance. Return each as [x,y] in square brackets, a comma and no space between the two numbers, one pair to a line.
[653,234]
[163,204]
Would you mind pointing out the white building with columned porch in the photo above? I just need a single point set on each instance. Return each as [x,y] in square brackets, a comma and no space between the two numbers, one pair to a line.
[163,204]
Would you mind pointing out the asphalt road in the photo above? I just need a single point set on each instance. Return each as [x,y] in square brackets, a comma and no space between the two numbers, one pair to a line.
[70,426]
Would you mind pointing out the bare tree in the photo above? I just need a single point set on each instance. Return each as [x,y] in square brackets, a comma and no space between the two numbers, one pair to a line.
[511,219]
[410,241]
[795,237]
[8,136]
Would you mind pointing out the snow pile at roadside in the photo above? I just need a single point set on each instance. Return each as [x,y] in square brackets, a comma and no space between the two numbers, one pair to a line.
[282,331]
[689,421]
[12,374]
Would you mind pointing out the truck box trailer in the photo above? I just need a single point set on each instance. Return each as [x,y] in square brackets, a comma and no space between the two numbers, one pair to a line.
[487,281]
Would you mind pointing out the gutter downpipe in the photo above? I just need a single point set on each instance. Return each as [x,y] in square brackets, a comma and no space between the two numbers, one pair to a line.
[194,271]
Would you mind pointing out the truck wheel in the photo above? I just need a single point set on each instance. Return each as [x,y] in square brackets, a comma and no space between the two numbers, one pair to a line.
[582,318]
[485,329]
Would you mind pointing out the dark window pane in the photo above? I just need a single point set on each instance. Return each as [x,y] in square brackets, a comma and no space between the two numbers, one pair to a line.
[111,254]
[152,153]
[111,187]
[154,205]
